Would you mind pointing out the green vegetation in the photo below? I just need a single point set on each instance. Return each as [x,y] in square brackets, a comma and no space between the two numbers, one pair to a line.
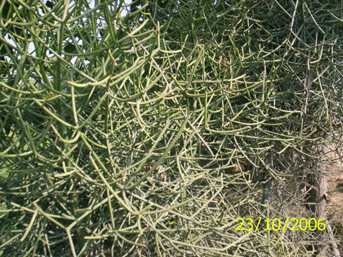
[150,134]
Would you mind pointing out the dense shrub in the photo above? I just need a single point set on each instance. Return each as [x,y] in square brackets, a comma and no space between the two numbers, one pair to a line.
[149,134]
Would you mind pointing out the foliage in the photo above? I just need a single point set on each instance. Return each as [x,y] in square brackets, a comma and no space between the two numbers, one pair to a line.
[150,134]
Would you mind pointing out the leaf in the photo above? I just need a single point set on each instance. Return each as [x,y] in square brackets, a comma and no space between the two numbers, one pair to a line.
[3,208]
[4,173]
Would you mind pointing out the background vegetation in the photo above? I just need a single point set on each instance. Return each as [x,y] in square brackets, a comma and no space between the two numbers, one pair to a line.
[150,133]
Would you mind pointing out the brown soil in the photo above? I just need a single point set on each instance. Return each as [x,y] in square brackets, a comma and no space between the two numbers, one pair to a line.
[292,197]
[334,210]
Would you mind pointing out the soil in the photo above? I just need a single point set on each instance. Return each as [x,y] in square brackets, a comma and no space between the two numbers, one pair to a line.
[334,210]
[292,197]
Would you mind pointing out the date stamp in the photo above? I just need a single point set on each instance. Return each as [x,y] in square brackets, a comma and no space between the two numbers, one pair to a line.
[249,224]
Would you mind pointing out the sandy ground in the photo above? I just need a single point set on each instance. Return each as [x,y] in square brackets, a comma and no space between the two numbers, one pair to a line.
[334,210]
[292,198]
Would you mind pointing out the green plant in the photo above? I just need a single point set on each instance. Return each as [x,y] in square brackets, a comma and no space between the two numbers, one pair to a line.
[149,134]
